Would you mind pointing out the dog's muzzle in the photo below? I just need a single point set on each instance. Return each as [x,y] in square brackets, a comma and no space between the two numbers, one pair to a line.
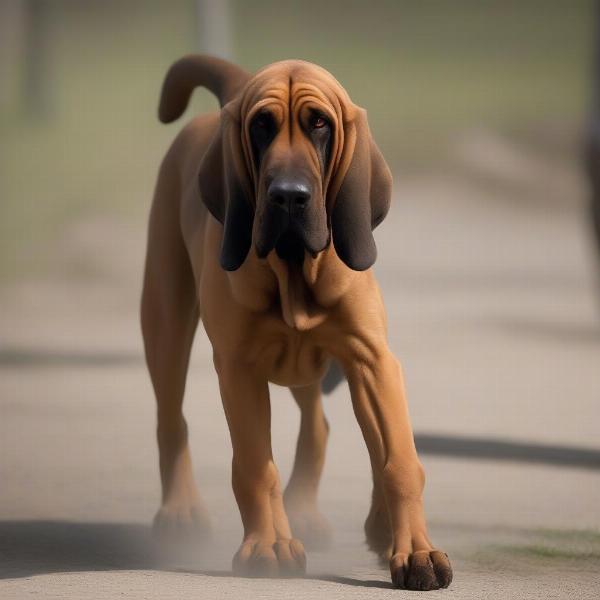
[291,222]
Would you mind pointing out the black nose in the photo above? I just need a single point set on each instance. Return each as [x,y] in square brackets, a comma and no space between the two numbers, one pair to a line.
[288,193]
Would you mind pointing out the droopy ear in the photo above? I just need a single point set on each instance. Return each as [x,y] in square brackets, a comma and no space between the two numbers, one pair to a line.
[224,188]
[363,199]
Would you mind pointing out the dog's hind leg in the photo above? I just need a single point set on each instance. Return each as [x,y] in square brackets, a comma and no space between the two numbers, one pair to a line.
[169,315]
[307,522]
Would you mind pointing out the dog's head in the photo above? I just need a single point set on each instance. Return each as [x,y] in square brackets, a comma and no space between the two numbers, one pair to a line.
[293,167]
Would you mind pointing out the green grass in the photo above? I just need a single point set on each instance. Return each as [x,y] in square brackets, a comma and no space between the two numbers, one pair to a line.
[424,70]
[544,546]
[552,552]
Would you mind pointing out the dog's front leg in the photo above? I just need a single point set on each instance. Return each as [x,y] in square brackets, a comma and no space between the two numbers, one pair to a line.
[267,547]
[380,406]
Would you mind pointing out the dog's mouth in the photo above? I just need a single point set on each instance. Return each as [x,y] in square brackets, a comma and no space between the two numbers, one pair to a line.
[290,247]
[290,241]
[290,235]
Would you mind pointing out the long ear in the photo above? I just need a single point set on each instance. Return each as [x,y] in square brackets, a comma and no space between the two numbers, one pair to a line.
[363,199]
[224,188]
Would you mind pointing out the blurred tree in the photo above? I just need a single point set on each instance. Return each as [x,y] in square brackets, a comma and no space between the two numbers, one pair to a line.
[214,27]
[36,94]
[11,40]
[593,139]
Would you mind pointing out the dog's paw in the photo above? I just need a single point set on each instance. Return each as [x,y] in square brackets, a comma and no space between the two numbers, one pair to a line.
[284,558]
[182,521]
[309,525]
[422,570]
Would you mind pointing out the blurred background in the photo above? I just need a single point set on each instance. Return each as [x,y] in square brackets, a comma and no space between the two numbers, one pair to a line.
[487,262]
[444,84]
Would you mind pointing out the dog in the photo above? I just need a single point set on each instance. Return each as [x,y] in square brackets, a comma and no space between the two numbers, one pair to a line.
[261,226]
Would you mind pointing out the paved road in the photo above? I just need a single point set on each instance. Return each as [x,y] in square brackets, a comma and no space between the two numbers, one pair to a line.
[493,312]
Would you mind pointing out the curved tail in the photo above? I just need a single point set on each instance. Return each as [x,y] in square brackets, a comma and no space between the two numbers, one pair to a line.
[221,77]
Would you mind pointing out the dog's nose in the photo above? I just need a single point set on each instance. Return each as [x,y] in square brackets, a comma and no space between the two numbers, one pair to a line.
[289,194]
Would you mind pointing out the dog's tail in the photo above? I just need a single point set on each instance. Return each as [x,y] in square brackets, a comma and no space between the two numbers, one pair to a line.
[221,77]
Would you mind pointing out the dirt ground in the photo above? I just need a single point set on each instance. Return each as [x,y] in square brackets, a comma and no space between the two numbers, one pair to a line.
[494,312]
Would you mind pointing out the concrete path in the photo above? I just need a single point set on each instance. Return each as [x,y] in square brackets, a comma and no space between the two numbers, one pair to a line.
[493,312]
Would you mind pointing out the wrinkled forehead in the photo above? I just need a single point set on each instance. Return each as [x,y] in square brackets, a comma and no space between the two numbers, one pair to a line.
[292,84]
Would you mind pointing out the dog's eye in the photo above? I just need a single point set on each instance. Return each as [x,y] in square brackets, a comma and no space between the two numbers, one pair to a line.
[263,121]
[318,122]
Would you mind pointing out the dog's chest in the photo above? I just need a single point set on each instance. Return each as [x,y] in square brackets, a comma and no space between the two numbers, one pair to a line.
[289,357]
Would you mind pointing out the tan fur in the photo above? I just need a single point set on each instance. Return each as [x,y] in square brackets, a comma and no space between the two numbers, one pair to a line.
[272,321]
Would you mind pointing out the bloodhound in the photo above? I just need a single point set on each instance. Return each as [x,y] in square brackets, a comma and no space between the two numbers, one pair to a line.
[262,225]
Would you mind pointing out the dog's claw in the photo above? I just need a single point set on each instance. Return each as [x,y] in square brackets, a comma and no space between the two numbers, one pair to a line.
[442,568]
